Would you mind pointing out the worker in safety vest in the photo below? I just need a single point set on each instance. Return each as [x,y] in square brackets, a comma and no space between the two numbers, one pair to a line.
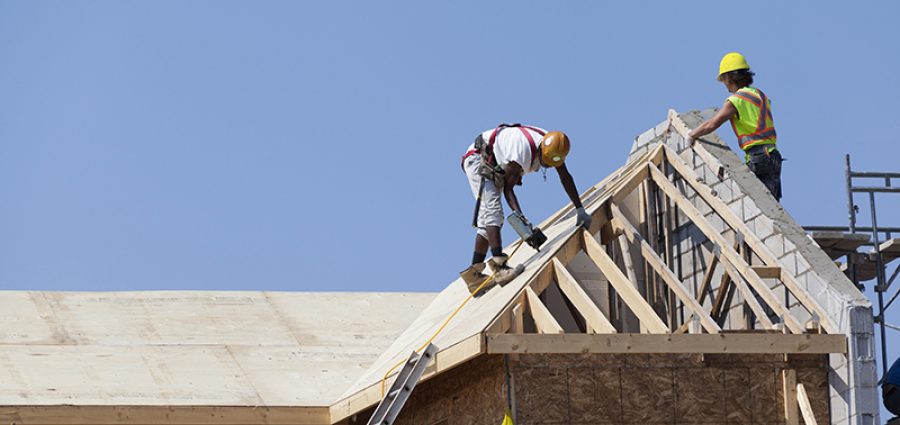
[495,163]
[750,113]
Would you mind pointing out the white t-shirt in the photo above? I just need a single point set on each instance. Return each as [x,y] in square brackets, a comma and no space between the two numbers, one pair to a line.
[511,145]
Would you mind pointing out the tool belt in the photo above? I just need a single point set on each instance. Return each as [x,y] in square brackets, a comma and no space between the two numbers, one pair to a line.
[488,167]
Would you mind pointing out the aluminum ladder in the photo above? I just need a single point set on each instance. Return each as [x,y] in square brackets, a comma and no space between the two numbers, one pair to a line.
[389,407]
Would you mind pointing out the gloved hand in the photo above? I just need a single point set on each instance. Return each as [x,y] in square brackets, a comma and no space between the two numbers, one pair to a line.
[584,219]
[524,220]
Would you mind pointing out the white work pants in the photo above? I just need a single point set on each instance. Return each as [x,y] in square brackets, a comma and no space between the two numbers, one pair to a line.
[491,211]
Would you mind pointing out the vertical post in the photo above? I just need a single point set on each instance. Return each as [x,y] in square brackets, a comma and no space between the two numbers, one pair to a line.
[879,286]
[851,211]
[851,216]
[789,387]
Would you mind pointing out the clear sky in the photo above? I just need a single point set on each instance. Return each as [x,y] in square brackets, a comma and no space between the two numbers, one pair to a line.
[315,145]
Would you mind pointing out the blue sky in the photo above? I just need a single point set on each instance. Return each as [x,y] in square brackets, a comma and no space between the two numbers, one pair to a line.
[315,145]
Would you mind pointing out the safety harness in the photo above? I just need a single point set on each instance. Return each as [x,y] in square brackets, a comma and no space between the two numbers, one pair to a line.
[486,149]
[762,132]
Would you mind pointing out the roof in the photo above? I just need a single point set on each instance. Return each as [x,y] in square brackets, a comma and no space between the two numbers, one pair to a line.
[193,348]
[335,351]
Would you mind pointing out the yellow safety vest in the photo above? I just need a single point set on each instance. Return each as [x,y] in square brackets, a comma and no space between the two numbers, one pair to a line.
[753,124]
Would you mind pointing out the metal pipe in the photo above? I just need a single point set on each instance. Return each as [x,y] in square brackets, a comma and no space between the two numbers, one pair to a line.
[879,288]
[846,229]
[875,174]
[874,189]
[851,211]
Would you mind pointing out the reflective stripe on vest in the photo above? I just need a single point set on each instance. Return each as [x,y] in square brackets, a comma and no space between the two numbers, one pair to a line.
[762,134]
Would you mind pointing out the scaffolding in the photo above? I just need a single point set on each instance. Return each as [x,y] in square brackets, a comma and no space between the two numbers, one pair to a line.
[865,266]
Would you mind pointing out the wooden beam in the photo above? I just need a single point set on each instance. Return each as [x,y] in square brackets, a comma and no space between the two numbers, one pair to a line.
[543,320]
[748,296]
[768,272]
[163,414]
[721,295]
[737,343]
[708,276]
[596,320]
[663,270]
[728,254]
[624,288]
[704,288]
[518,316]
[758,247]
[809,417]
[789,389]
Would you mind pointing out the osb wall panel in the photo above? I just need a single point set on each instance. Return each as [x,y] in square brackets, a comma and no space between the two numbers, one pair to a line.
[661,389]
[473,393]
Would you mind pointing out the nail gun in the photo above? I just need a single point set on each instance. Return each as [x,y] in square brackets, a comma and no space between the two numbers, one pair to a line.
[531,235]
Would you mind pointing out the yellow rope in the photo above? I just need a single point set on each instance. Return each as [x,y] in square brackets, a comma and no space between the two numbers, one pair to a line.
[444,325]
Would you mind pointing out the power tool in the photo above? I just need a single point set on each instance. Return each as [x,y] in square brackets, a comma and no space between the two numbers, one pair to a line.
[531,235]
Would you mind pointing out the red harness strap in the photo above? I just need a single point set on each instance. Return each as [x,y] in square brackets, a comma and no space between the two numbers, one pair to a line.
[524,129]
[493,138]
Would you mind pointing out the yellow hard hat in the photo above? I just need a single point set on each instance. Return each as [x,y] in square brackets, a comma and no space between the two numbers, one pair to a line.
[732,62]
[554,148]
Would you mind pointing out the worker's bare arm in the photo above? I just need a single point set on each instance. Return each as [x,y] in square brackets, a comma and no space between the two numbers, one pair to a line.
[715,122]
[512,178]
[568,183]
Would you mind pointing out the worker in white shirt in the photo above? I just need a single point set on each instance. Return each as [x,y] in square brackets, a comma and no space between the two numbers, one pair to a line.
[495,163]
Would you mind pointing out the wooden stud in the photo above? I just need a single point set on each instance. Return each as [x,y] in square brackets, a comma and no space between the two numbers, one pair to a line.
[518,316]
[623,286]
[734,343]
[597,322]
[748,296]
[789,381]
[728,254]
[809,418]
[543,320]
[760,248]
[667,275]
[708,276]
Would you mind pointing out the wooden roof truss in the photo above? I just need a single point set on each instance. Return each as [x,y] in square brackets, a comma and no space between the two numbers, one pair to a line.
[747,267]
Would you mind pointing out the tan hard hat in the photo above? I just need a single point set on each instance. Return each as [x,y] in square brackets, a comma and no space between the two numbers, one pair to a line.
[554,148]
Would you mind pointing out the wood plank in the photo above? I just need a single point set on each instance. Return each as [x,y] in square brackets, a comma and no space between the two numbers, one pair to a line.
[767,272]
[624,288]
[789,390]
[663,270]
[704,288]
[758,247]
[163,414]
[708,275]
[543,320]
[592,314]
[748,296]
[742,343]
[728,254]
[518,316]
[809,418]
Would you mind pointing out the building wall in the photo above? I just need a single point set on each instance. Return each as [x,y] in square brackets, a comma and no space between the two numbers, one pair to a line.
[661,389]
[595,389]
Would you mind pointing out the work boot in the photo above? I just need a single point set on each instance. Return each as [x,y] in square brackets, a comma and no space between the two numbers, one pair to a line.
[474,277]
[503,273]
